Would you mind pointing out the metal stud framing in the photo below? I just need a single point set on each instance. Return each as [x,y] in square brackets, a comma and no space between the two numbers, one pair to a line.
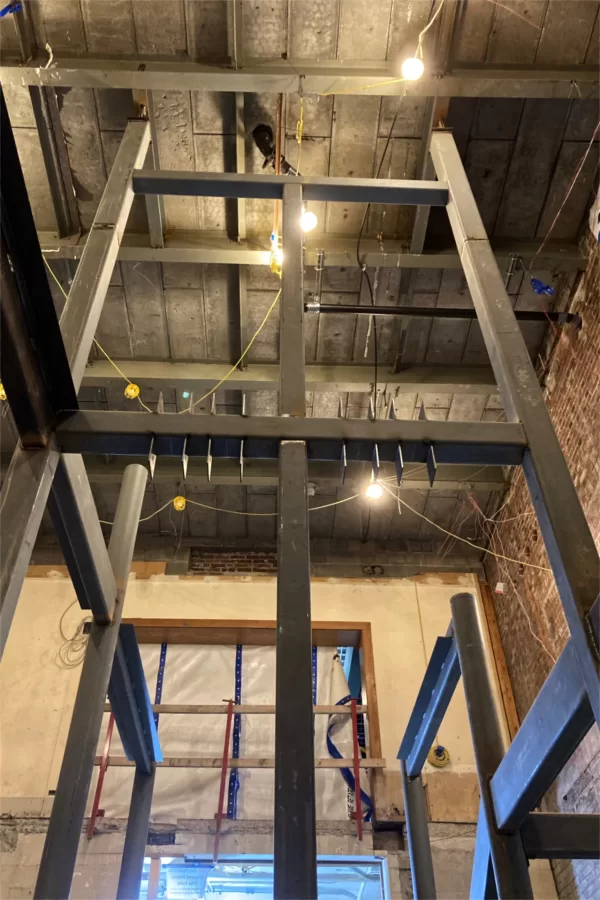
[509,791]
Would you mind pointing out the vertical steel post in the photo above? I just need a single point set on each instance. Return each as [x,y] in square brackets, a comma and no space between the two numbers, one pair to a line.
[64,829]
[569,542]
[295,826]
[506,850]
[134,850]
[417,832]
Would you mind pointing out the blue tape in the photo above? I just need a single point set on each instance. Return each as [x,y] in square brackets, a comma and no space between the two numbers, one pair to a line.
[314,676]
[347,774]
[11,8]
[159,679]
[234,778]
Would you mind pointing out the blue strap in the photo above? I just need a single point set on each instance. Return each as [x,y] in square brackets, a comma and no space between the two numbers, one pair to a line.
[159,679]
[347,774]
[314,676]
[234,777]
[11,8]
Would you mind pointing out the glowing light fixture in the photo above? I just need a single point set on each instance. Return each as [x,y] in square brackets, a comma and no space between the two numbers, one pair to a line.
[412,68]
[308,220]
[374,491]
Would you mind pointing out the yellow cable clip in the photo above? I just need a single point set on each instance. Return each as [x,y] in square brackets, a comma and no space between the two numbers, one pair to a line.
[132,391]
[179,503]
[2,392]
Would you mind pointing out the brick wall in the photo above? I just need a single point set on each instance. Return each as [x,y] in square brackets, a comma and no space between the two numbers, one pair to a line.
[229,561]
[530,616]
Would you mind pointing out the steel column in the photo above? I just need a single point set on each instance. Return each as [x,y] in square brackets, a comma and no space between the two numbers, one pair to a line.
[75,520]
[483,885]
[508,858]
[80,316]
[295,818]
[561,715]
[417,833]
[22,503]
[134,850]
[291,351]
[569,542]
[64,829]
[295,825]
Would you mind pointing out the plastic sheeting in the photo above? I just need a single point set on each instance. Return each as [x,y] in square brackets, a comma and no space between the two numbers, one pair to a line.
[197,674]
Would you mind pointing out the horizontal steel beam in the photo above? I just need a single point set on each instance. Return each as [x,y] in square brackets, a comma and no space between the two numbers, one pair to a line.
[199,247]
[264,473]
[561,836]
[434,312]
[229,437]
[560,717]
[315,77]
[437,690]
[196,377]
[270,187]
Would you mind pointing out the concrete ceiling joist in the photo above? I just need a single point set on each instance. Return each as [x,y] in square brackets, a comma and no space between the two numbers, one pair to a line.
[313,77]
[196,377]
[204,248]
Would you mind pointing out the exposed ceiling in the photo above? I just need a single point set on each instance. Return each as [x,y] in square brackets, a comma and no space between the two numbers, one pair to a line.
[520,155]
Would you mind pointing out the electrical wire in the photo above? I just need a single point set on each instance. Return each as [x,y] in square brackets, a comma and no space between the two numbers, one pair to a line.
[147,518]
[71,652]
[572,183]
[300,132]
[235,366]
[237,512]
[97,343]
[465,540]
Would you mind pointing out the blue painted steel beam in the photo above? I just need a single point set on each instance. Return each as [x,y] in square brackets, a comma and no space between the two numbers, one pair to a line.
[127,691]
[560,717]
[270,187]
[483,883]
[131,434]
[439,683]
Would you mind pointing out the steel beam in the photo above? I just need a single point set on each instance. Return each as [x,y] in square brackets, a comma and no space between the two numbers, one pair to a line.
[80,316]
[240,166]
[567,536]
[198,377]
[561,715]
[134,850]
[155,206]
[265,473]
[206,247]
[316,77]
[295,822]
[75,521]
[437,690]
[434,312]
[56,159]
[22,503]
[561,836]
[131,434]
[417,833]
[506,851]
[62,839]
[271,187]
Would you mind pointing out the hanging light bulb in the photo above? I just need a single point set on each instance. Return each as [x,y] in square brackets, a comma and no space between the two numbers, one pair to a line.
[308,220]
[412,68]
[374,491]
